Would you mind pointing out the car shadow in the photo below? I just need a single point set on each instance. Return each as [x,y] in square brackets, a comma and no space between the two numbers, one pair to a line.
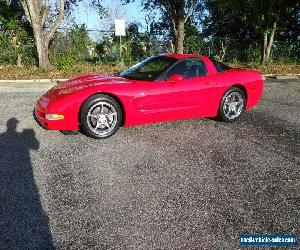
[23,222]
[64,132]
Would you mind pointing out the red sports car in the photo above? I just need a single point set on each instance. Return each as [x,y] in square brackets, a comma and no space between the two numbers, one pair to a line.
[160,88]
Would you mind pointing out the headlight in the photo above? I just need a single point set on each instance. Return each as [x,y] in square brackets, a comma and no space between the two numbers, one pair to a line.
[54,117]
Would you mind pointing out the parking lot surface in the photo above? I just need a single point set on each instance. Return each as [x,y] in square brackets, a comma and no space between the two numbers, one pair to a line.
[195,184]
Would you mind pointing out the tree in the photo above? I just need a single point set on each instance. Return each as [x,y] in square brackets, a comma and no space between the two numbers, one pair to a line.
[107,14]
[43,24]
[287,42]
[37,14]
[264,17]
[178,12]
[252,18]
[193,40]
[225,23]
[14,27]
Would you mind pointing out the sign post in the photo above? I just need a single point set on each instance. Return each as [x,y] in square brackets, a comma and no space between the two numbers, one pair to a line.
[120,31]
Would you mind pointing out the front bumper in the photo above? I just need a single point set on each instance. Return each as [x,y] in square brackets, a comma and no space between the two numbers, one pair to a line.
[49,124]
[70,121]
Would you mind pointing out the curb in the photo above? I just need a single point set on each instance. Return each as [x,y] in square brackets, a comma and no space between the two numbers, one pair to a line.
[34,81]
[282,77]
[26,85]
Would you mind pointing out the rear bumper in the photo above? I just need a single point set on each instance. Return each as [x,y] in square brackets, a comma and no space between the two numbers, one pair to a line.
[255,90]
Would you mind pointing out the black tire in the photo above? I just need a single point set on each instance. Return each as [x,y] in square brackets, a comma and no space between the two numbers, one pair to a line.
[223,115]
[69,132]
[89,124]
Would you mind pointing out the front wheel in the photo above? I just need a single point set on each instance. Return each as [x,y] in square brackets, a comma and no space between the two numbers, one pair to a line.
[232,105]
[100,116]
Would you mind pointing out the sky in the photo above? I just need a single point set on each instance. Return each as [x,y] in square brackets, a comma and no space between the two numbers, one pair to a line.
[88,15]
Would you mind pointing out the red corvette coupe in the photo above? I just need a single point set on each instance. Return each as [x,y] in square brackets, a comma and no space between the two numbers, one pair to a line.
[160,88]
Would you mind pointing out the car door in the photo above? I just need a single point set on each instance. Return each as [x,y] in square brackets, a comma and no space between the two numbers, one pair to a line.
[189,97]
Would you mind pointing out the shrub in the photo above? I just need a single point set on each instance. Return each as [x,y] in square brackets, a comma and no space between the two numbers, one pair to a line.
[65,61]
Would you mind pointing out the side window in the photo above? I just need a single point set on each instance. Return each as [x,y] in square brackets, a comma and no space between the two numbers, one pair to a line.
[190,68]
[220,67]
[178,68]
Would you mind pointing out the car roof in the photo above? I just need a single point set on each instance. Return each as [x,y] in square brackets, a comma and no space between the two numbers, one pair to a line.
[183,56]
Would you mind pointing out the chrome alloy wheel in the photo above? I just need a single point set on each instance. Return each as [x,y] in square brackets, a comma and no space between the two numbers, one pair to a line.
[233,105]
[102,118]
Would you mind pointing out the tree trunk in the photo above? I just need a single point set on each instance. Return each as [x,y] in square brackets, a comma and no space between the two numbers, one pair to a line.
[264,48]
[270,44]
[172,50]
[179,15]
[267,43]
[16,46]
[224,45]
[180,37]
[19,60]
[42,48]
[43,54]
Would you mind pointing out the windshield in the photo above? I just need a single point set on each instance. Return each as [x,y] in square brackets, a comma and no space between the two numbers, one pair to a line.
[149,69]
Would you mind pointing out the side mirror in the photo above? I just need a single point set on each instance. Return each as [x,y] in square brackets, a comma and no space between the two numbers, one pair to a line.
[175,78]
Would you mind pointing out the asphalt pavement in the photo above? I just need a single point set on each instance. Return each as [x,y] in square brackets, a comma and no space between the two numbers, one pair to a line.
[195,184]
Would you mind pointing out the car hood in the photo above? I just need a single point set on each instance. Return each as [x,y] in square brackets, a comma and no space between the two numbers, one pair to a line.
[83,82]
[93,79]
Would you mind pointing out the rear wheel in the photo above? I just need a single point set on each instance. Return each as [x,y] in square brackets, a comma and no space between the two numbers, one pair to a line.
[100,116]
[232,105]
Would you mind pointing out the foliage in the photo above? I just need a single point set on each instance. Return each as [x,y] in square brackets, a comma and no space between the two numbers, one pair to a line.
[251,22]
[135,46]
[193,42]
[15,35]
[101,10]
[231,30]
[65,61]
[12,72]
[72,45]
[44,18]
[175,13]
